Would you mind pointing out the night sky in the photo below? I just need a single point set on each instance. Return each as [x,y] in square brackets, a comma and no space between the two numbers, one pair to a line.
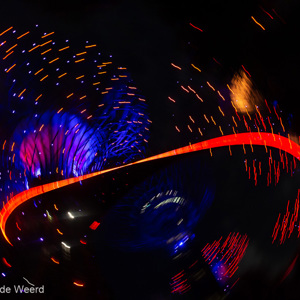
[146,37]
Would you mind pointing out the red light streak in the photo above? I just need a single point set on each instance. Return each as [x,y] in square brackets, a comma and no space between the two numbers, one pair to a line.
[267,106]
[230,252]
[253,138]
[280,18]
[216,61]
[275,112]
[289,269]
[235,283]
[289,222]
[194,263]
[246,71]
[179,284]
[196,27]
[18,226]
[5,262]
[266,12]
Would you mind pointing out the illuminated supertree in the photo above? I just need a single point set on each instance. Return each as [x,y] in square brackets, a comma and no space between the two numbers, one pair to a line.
[57,143]
[163,210]
[67,110]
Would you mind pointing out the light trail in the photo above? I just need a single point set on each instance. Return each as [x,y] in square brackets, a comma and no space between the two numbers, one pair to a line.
[254,138]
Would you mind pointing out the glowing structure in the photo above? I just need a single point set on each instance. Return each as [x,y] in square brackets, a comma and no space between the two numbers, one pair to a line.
[57,142]
[163,210]
[69,110]
[263,139]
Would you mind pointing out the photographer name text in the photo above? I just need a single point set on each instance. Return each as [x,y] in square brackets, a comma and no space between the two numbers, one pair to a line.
[20,289]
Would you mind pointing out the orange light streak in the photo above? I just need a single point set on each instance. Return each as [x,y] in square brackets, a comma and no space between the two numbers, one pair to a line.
[6,30]
[52,61]
[263,28]
[54,260]
[62,49]
[60,76]
[45,43]
[46,51]
[21,93]
[14,46]
[195,68]
[33,48]
[38,97]
[8,55]
[46,35]
[19,37]
[10,68]
[81,53]
[44,78]
[221,111]
[39,71]
[59,231]
[90,46]
[78,284]
[79,60]
[210,86]
[177,67]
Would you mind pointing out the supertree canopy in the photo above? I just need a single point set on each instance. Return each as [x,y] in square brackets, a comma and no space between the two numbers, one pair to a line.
[57,143]
[164,209]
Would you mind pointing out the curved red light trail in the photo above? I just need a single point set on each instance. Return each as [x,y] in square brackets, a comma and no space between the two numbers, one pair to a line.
[254,138]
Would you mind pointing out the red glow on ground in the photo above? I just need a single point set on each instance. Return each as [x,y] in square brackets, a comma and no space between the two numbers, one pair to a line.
[94,225]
